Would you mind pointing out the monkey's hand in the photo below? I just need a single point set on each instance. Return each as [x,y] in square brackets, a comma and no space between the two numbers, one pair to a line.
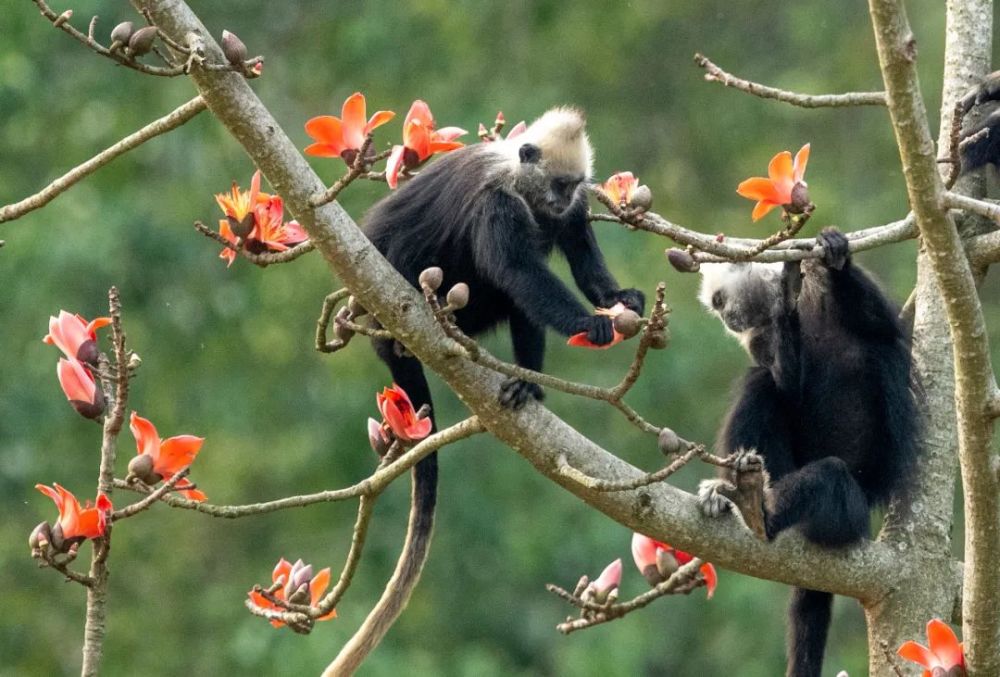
[515,393]
[746,492]
[836,252]
[632,298]
[600,329]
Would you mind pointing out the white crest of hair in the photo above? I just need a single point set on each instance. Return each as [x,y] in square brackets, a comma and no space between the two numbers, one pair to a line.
[731,279]
[562,137]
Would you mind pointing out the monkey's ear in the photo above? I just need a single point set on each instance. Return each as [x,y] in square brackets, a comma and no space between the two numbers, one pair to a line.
[530,153]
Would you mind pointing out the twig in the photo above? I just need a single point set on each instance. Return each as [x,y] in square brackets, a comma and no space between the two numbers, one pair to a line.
[165,124]
[566,470]
[715,74]
[365,507]
[49,560]
[371,485]
[954,158]
[983,208]
[263,260]
[684,580]
[329,304]
[151,497]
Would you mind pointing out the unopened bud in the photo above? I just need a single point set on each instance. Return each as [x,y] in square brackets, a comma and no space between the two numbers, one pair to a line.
[482,132]
[682,261]
[63,18]
[668,442]
[40,537]
[233,48]
[627,323]
[666,563]
[642,198]
[652,575]
[134,361]
[658,339]
[141,467]
[141,41]
[355,308]
[92,410]
[431,278]
[56,537]
[120,35]
[458,296]
[378,438]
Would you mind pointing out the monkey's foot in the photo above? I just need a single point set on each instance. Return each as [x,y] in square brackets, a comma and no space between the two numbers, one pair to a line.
[713,497]
[515,393]
[835,248]
[746,492]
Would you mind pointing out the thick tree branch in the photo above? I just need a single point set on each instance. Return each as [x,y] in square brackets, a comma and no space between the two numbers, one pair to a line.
[973,371]
[715,74]
[163,125]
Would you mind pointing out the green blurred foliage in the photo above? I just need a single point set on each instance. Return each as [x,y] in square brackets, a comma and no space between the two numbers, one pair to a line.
[227,353]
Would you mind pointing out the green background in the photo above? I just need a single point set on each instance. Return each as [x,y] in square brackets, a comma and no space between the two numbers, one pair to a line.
[227,354]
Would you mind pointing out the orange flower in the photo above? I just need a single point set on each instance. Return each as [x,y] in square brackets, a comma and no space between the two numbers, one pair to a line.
[581,341]
[657,561]
[399,415]
[76,337]
[620,188]
[168,456]
[254,220]
[779,189]
[420,141]
[80,388]
[342,137]
[298,586]
[75,523]
[945,650]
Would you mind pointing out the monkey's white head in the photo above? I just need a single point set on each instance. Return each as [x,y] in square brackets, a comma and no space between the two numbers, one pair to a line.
[742,295]
[561,135]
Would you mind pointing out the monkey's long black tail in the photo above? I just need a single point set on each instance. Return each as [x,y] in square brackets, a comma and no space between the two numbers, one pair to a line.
[409,375]
[808,622]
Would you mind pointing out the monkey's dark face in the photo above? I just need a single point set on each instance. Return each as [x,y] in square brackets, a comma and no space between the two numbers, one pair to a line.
[562,192]
[546,193]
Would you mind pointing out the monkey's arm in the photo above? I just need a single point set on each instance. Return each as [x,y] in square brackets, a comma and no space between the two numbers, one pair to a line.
[509,258]
[786,335]
[577,241]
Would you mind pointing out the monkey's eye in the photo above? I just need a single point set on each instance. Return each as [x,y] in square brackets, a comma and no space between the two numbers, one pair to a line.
[718,300]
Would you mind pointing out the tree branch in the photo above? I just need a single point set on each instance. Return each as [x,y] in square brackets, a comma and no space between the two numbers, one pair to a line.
[163,125]
[715,74]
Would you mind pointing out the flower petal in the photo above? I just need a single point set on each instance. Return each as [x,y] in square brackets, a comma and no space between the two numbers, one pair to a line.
[318,585]
[379,119]
[393,165]
[643,551]
[444,146]
[780,167]
[147,440]
[711,577]
[801,160]
[327,130]
[420,112]
[761,210]
[176,453]
[353,120]
[417,136]
[322,150]
[420,429]
[944,644]
[76,381]
[918,653]
[758,188]
[449,133]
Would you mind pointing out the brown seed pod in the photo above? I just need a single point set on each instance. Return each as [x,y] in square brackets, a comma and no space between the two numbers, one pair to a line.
[642,198]
[121,34]
[458,296]
[668,442]
[658,339]
[682,261]
[431,278]
[141,41]
[627,323]
[142,467]
[233,48]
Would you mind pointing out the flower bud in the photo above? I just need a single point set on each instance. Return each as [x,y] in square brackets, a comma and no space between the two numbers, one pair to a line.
[63,18]
[233,48]
[378,438]
[431,278]
[642,198]
[141,41]
[666,563]
[458,296]
[355,308]
[134,361]
[121,34]
[658,339]
[56,537]
[627,323]
[92,410]
[652,575]
[668,442]
[40,537]
[141,467]
[682,261]
[800,203]
[88,352]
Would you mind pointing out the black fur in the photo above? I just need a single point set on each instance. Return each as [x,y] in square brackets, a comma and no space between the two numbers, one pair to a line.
[981,110]
[492,225]
[830,407]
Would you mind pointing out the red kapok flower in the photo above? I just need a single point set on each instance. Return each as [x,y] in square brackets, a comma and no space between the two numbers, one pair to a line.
[168,456]
[80,388]
[254,220]
[945,650]
[420,141]
[298,586]
[581,341]
[656,561]
[620,188]
[76,523]
[343,137]
[270,232]
[400,416]
[76,337]
[782,185]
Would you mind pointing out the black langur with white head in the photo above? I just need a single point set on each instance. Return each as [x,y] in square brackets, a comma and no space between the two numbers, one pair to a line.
[489,215]
[829,406]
